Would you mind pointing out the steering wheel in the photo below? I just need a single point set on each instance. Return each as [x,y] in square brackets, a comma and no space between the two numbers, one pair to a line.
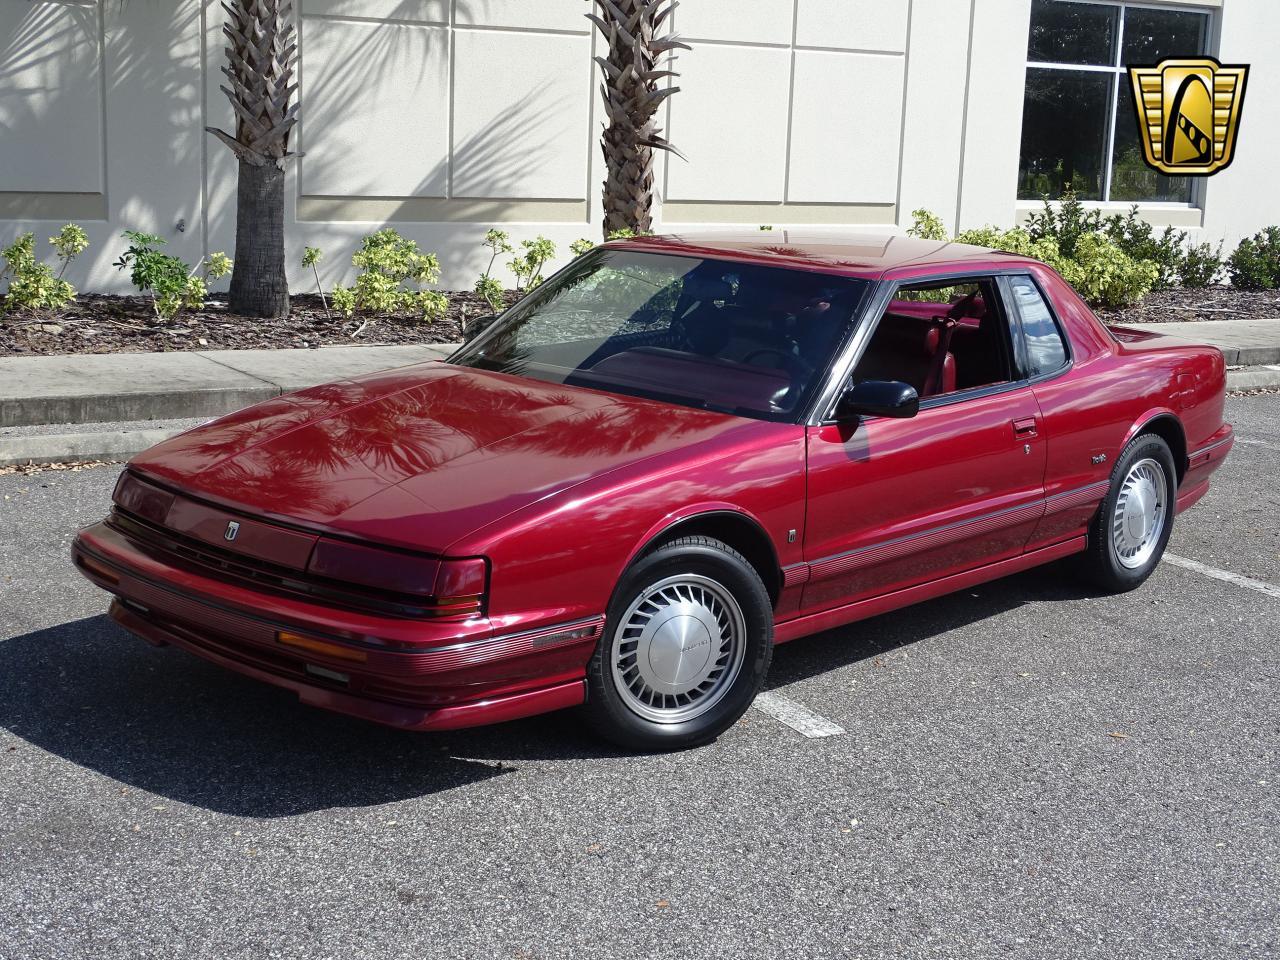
[787,358]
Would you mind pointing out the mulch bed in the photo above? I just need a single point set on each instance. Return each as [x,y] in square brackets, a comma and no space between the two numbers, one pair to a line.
[102,323]
[1208,303]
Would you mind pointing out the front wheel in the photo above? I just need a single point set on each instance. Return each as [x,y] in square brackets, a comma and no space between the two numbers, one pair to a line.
[1129,534]
[687,643]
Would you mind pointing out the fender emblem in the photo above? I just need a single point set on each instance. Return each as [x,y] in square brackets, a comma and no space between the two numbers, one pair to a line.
[233,528]
[1099,458]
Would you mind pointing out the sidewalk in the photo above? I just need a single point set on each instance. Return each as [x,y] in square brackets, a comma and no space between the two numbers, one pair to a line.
[1244,343]
[110,406]
[109,387]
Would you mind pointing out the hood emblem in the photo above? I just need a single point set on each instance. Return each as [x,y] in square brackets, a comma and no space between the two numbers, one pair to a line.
[233,528]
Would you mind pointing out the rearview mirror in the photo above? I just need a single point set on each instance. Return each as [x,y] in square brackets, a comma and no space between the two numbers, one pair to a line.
[878,398]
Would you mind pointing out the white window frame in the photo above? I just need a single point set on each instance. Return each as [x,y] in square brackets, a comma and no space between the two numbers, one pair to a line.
[1121,75]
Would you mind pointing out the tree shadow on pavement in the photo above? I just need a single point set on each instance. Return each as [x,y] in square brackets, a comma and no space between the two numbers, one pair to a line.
[169,723]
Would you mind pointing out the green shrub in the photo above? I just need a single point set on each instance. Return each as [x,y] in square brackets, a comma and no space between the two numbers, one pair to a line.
[33,285]
[579,247]
[311,257]
[1109,277]
[171,282]
[1017,241]
[1138,240]
[1066,224]
[1102,273]
[1255,264]
[488,286]
[528,266]
[1200,265]
[926,225]
[626,233]
[386,262]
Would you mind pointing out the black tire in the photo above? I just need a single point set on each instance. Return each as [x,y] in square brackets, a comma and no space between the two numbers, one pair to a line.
[608,711]
[1101,563]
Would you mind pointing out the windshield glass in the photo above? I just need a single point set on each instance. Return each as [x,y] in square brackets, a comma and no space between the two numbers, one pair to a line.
[713,334]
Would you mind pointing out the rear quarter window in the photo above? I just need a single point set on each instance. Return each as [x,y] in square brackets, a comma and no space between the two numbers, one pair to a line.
[1046,349]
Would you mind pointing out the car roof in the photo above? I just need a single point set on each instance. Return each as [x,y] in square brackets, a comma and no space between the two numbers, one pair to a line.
[867,255]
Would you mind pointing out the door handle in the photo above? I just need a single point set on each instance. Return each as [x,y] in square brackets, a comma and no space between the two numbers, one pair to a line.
[1024,428]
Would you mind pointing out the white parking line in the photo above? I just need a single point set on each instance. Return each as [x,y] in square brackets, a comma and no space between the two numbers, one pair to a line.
[795,716]
[1258,443]
[1270,589]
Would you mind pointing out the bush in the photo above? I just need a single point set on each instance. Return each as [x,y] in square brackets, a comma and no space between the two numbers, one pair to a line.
[926,225]
[1107,276]
[1255,264]
[172,283]
[488,286]
[1102,273]
[387,261]
[1066,224]
[1200,265]
[581,246]
[311,257]
[528,266]
[1139,241]
[626,233]
[32,284]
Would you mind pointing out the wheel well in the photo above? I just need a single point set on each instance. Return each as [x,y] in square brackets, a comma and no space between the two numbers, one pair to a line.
[736,531]
[1170,431]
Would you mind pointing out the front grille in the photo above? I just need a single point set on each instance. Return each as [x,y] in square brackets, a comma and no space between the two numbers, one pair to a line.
[196,556]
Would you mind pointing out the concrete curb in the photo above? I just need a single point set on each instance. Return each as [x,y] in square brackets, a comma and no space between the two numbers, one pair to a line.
[62,447]
[1254,378]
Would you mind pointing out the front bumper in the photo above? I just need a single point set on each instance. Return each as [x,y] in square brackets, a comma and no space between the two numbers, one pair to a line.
[411,674]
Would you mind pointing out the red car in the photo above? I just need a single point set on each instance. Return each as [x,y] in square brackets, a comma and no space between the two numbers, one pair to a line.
[672,455]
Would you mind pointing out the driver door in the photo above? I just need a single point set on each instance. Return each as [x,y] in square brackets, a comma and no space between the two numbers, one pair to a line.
[893,503]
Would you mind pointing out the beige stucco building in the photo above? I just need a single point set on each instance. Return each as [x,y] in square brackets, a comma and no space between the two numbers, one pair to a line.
[446,117]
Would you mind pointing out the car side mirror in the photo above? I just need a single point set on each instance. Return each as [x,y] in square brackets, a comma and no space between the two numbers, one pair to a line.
[878,398]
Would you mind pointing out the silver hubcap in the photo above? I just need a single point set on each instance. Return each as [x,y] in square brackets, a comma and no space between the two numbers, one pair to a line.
[678,648]
[1140,513]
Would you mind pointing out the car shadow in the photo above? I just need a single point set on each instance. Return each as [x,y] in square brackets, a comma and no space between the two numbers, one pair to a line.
[179,727]
[865,639]
[171,724]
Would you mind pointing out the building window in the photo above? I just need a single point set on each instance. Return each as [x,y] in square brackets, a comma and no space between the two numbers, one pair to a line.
[1078,123]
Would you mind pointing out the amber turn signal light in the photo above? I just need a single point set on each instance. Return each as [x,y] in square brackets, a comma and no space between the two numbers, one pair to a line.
[97,569]
[324,647]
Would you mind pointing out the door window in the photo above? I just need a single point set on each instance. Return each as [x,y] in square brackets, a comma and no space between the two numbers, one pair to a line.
[941,337]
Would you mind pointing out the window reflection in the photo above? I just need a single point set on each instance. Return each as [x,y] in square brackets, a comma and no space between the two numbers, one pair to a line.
[1073,32]
[1079,129]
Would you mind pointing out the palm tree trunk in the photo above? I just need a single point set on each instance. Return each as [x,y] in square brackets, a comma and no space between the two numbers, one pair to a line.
[258,285]
[629,86]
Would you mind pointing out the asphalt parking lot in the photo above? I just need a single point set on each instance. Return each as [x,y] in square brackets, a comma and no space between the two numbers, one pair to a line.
[1023,769]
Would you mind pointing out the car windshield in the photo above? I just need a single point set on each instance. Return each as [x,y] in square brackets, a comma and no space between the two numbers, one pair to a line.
[738,338]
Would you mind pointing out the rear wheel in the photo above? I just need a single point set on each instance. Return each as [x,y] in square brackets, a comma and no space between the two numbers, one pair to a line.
[1129,534]
[687,643]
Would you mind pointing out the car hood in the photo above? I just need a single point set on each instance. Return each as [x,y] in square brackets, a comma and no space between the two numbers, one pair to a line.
[420,456]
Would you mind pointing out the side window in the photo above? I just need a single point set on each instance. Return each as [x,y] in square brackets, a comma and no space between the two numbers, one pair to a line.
[1046,351]
[941,337]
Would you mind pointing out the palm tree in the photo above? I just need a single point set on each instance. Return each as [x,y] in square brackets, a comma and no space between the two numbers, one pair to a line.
[261,53]
[631,96]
